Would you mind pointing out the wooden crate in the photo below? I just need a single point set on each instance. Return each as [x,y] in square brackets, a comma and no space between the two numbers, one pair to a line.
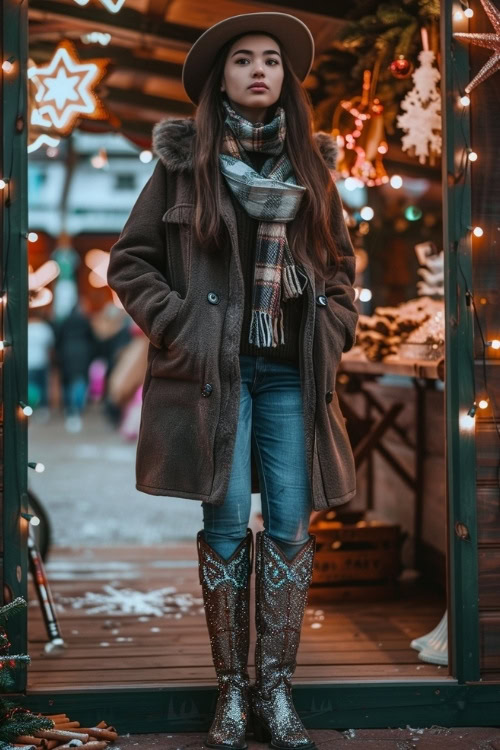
[355,558]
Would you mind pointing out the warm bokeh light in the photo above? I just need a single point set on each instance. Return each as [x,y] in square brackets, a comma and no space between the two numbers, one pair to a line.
[396,181]
[477,232]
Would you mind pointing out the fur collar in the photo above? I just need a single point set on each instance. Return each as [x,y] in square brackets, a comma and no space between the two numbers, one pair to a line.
[173,144]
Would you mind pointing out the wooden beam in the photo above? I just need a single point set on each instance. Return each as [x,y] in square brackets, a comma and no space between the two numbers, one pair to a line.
[121,57]
[127,23]
[138,100]
[328,8]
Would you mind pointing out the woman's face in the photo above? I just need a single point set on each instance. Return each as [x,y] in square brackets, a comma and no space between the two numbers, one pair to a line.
[253,75]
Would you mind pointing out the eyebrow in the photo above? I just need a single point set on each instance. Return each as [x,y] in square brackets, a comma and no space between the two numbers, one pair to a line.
[250,52]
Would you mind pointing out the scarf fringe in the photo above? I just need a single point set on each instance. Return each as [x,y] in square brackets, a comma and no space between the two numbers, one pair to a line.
[266,331]
[291,283]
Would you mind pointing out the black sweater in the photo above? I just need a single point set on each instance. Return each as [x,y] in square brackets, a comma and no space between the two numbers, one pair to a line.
[292,308]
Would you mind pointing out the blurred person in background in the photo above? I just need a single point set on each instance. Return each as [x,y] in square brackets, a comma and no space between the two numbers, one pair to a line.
[41,341]
[75,349]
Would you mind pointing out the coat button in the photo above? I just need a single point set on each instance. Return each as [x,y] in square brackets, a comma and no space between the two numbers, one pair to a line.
[328,396]
[321,300]
[213,298]
[207,389]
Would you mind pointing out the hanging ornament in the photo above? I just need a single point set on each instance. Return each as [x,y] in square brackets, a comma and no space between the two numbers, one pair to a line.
[65,90]
[490,41]
[421,120]
[401,67]
[362,145]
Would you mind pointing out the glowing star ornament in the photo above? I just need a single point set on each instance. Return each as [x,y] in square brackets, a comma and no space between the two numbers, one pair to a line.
[490,41]
[65,90]
[113,7]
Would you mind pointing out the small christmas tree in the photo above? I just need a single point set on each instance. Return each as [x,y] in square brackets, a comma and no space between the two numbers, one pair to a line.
[14,720]
[421,120]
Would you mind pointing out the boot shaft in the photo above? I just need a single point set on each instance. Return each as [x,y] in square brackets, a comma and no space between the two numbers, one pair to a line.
[281,588]
[226,596]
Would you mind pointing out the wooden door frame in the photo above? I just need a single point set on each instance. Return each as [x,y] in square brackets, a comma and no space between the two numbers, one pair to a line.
[460,700]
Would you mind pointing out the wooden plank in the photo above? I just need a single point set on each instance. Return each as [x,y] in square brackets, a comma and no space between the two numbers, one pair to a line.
[488,513]
[489,578]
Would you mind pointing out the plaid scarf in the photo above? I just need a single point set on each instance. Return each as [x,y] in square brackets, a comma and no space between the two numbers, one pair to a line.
[273,197]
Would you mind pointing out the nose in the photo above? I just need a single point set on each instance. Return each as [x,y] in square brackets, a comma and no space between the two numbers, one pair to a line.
[258,71]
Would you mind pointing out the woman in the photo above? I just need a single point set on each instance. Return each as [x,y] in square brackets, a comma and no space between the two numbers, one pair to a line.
[237,264]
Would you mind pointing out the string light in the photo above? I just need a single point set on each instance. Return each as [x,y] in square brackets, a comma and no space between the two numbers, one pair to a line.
[146,156]
[27,410]
[472,410]
[467,422]
[477,232]
[365,295]
[464,100]
[495,344]
[3,184]
[483,404]
[4,345]
[34,520]
[37,466]
[396,181]
[7,65]
[472,156]
[468,12]
[32,236]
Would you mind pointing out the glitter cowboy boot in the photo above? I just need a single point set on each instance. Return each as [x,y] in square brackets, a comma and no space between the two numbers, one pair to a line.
[281,587]
[226,592]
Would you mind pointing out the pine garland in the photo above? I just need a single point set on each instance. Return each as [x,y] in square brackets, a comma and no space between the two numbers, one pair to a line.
[14,720]
[376,33]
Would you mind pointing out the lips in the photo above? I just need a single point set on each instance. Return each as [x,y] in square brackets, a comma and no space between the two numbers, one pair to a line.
[259,86]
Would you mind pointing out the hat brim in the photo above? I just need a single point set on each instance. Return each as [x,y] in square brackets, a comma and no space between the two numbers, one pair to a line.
[293,35]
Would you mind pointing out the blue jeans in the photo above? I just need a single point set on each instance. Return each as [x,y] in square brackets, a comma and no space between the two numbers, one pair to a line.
[271,423]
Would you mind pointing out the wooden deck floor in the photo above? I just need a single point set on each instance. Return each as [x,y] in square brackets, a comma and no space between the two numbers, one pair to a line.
[102,596]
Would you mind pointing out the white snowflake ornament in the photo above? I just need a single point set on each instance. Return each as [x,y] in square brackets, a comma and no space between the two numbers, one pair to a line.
[421,120]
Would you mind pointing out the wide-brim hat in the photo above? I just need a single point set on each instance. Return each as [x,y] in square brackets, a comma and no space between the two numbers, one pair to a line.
[292,34]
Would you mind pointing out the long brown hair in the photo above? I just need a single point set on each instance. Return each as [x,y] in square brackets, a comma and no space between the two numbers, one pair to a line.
[310,236]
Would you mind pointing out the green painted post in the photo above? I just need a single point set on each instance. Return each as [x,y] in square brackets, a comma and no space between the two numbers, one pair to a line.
[14,276]
[460,438]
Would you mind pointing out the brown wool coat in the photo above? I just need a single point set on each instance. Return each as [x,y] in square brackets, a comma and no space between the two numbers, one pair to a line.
[189,303]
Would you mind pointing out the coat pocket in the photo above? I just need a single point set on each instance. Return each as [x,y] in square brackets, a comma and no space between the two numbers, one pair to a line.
[179,242]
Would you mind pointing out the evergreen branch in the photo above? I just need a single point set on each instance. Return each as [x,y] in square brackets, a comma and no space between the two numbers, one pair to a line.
[23,659]
[13,608]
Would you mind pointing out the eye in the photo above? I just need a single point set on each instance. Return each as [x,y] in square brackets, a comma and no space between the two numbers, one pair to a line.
[241,60]
[273,61]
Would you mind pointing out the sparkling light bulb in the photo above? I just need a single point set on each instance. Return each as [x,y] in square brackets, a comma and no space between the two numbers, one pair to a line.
[464,100]
[468,12]
[146,156]
[32,237]
[495,344]
[472,156]
[39,468]
[483,404]
[467,422]
[27,410]
[3,184]
[477,232]
[365,295]
[396,181]
[7,66]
